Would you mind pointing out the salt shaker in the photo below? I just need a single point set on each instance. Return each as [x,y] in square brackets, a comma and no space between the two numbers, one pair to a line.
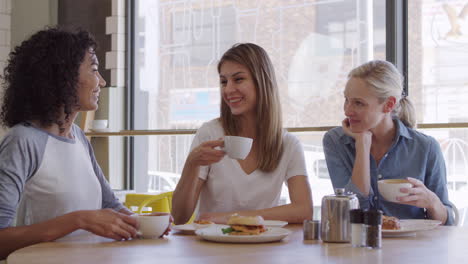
[373,228]
[356,218]
[311,229]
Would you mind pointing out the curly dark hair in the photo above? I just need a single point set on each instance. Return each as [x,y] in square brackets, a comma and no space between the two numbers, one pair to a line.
[41,77]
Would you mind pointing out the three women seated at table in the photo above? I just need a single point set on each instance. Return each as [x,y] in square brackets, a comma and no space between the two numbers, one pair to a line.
[377,141]
[51,182]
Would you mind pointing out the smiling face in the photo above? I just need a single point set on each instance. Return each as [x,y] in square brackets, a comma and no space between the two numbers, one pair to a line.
[90,82]
[362,108]
[237,88]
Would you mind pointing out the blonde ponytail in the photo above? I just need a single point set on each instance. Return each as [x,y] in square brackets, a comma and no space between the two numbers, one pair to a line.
[406,112]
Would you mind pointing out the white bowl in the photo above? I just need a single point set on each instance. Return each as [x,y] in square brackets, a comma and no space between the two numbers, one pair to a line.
[390,189]
[99,124]
[153,226]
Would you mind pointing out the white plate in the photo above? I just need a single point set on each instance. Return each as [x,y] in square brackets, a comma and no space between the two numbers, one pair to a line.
[214,233]
[410,226]
[186,229]
[198,226]
[275,223]
[189,228]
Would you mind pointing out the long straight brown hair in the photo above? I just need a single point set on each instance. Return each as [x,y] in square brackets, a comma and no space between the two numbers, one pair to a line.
[269,127]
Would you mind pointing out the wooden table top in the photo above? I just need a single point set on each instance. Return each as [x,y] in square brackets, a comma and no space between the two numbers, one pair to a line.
[440,245]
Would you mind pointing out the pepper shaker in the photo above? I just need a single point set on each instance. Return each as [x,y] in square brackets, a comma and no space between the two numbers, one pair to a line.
[373,228]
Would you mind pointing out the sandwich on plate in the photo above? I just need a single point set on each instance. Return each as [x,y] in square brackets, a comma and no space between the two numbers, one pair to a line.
[244,225]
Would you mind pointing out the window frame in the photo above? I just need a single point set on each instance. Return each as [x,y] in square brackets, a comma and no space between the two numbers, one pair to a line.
[396,52]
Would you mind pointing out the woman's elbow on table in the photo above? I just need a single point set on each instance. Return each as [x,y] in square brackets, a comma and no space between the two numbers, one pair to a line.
[181,214]
[305,212]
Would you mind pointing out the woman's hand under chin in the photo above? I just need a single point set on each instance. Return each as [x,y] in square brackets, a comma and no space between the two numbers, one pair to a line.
[364,136]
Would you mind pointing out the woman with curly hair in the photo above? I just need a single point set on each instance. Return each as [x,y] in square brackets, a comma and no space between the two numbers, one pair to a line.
[50,181]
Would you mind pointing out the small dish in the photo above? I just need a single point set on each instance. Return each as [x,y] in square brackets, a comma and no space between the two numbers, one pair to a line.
[188,229]
[275,223]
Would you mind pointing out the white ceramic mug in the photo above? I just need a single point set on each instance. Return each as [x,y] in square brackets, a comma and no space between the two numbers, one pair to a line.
[153,226]
[237,147]
[390,189]
[99,124]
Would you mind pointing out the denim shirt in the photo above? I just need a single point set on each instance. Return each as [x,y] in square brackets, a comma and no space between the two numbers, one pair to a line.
[412,154]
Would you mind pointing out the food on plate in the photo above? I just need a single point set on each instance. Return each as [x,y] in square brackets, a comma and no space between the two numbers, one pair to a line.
[245,225]
[390,223]
[202,224]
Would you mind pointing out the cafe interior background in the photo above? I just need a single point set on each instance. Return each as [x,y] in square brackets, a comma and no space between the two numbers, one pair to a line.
[159,59]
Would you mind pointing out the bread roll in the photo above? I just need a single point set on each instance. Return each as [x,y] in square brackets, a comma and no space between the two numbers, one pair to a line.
[246,220]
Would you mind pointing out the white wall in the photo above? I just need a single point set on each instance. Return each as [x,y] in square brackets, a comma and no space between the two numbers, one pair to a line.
[29,16]
[18,20]
[115,95]
[5,33]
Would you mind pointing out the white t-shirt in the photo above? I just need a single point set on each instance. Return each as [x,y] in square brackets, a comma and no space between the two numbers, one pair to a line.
[229,188]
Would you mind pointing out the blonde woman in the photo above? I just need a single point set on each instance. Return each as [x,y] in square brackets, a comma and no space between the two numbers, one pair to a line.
[377,141]
[250,108]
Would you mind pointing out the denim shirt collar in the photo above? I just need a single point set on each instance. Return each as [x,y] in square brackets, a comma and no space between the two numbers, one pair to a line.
[401,131]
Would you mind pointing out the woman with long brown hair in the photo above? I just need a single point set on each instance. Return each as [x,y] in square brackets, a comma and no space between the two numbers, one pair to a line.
[250,108]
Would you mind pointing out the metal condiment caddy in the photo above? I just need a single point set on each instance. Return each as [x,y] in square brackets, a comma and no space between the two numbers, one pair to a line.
[335,221]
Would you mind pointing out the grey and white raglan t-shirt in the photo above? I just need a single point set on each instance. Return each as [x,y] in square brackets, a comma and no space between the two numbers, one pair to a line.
[43,176]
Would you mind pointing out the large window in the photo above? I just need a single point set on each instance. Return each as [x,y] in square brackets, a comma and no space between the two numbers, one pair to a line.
[313,45]
[438,81]
[177,44]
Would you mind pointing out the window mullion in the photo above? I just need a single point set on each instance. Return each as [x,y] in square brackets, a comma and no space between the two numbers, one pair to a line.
[397,36]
